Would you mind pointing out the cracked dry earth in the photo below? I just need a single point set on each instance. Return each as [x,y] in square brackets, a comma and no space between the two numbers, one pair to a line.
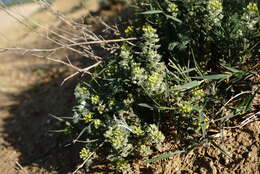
[29,91]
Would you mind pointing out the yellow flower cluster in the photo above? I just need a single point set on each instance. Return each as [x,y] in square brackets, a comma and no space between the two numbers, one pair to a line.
[173,8]
[145,150]
[199,92]
[215,5]
[185,108]
[252,7]
[110,69]
[117,137]
[88,117]
[137,130]
[84,153]
[95,99]
[148,29]
[97,123]
[137,70]
[199,122]
[129,30]
[111,102]
[153,79]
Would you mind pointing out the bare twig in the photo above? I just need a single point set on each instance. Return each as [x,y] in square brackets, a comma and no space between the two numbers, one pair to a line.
[21,168]
[252,117]
[84,70]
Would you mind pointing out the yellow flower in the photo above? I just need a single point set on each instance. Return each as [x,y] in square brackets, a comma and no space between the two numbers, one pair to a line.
[95,99]
[129,30]
[110,69]
[200,121]
[137,130]
[97,123]
[186,108]
[148,29]
[84,153]
[173,8]
[154,78]
[252,7]
[198,92]
[88,117]
[111,102]
[215,5]
[145,150]
[101,108]
[137,70]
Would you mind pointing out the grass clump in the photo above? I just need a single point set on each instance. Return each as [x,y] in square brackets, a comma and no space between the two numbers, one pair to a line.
[183,67]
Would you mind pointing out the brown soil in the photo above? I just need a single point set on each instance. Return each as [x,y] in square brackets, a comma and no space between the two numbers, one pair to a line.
[30,90]
[26,10]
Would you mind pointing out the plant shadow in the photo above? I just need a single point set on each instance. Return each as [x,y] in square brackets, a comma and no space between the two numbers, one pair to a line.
[28,128]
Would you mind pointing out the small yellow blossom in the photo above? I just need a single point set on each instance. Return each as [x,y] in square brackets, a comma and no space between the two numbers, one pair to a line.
[153,79]
[137,70]
[88,117]
[215,5]
[145,150]
[199,92]
[95,99]
[200,121]
[148,29]
[117,137]
[110,69]
[137,130]
[173,8]
[84,153]
[111,102]
[101,108]
[186,108]
[97,123]
[129,30]
[252,7]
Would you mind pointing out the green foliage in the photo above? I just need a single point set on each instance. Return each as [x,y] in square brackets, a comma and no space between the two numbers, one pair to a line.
[210,31]
[177,75]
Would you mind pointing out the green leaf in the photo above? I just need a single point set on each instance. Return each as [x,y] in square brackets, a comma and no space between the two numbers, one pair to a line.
[173,18]
[162,108]
[230,68]
[152,12]
[163,156]
[144,105]
[189,85]
[215,77]
[246,103]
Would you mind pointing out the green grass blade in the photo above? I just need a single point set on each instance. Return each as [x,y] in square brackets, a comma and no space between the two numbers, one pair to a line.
[163,156]
[215,77]
[188,85]
[144,105]
[152,12]
[230,68]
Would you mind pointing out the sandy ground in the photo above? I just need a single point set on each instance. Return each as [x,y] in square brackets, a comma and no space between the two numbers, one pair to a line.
[17,12]
[29,91]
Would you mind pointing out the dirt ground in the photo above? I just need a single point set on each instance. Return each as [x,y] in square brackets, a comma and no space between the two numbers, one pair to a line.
[30,90]
[26,10]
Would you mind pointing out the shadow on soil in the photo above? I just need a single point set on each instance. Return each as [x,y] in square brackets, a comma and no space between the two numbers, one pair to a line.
[28,127]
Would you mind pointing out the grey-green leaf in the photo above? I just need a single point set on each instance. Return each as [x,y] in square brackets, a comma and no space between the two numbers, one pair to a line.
[189,85]
[152,12]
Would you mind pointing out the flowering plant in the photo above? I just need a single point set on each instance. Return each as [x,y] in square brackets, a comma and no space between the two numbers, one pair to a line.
[164,79]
